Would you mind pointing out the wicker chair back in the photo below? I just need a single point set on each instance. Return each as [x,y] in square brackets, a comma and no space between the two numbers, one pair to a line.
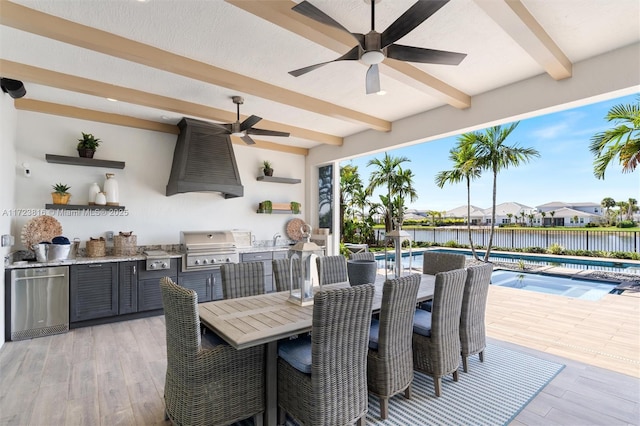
[242,279]
[433,262]
[365,255]
[474,303]
[282,273]
[332,269]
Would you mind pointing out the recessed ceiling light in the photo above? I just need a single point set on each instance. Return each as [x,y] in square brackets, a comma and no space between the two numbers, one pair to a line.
[112,100]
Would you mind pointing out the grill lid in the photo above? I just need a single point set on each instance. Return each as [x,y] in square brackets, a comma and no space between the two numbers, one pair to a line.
[207,241]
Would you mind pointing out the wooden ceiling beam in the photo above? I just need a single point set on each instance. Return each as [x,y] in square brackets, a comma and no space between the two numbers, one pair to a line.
[279,13]
[123,120]
[50,78]
[516,20]
[35,22]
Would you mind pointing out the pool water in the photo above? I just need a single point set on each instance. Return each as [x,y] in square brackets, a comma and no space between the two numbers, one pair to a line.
[552,284]
[591,264]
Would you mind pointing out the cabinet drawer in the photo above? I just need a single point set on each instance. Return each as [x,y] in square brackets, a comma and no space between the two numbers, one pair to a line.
[282,254]
[254,257]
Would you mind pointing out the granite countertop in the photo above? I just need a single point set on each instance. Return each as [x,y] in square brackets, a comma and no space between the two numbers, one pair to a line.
[138,256]
[84,260]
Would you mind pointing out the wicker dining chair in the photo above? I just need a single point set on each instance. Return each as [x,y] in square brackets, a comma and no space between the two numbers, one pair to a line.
[390,359]
[198,370]
[473,337]
[436,334]
[322,378]
[282,273]
[365,255]
[332,269]
[242,279]
[434,262]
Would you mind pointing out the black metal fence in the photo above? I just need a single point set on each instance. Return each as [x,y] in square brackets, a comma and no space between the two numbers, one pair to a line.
[521,238]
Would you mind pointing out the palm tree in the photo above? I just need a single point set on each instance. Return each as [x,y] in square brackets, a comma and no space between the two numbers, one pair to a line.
[402,187]
[575,219]
[623,141]
[543,214]
[607,203]
[350,183]
[623,207]
[465,167]
[385,175]
[509,215]
[552,213]
[522,214]
[494,155]
[633,206]
[531,216]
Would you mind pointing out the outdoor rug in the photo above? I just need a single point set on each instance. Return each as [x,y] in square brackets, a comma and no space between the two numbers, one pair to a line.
[492,393]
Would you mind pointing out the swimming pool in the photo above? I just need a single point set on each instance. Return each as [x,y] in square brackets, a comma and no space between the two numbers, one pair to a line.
[611,266]
[552,284]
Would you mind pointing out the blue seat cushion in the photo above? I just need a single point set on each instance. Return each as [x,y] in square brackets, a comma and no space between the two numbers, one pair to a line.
[426,306]
[210,340]
[374,332]
[422,323]
[297,352]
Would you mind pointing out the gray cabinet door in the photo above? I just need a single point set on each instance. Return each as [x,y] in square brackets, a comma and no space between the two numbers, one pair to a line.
[93,291]
[149,293]
[200,282]
[127,287]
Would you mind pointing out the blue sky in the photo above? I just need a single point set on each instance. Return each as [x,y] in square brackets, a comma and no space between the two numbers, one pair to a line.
[563,172]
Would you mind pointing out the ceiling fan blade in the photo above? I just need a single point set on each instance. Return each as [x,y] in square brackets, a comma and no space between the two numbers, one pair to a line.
[250,121]
[248,140]
[422,55]
[352,55]
[373,79]
[263,132]
[310,11]
[409,20]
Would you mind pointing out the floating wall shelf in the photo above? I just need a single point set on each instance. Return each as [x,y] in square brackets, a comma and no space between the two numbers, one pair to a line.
[81,161]
[277,179]
[81,207]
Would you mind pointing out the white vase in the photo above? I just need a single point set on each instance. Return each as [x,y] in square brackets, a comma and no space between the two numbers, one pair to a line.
[93,191]
[111,188]
[101,199]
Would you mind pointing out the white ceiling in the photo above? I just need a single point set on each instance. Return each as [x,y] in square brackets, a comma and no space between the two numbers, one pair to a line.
[221,34]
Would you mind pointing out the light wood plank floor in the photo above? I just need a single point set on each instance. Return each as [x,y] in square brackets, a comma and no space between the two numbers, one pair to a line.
[114,374]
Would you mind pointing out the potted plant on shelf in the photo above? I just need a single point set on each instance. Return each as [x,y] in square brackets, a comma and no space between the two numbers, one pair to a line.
[87,145]
[60,194]
[268,171]
[295,207]
[266,206]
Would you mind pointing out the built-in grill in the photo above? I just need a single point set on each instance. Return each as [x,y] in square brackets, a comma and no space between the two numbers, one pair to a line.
[207,249]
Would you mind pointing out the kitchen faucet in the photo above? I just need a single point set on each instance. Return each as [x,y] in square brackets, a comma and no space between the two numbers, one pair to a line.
[275,238]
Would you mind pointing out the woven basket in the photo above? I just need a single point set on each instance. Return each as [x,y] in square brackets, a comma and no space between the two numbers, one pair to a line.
[96,248]
[124,245]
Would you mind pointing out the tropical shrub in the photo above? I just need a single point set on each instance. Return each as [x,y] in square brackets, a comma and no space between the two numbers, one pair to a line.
[555,248]
[626,224]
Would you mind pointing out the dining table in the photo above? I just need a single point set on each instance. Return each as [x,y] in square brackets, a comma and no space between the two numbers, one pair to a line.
[267,318]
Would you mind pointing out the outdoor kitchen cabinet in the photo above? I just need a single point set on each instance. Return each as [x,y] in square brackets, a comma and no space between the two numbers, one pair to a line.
[207,284]
[149,293]
[93,291]
[127,287]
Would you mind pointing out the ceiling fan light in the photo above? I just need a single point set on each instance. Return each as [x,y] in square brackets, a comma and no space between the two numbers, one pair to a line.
[238,134]
[372,57]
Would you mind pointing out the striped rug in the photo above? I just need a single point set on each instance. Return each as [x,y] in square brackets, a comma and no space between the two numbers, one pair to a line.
[492,393]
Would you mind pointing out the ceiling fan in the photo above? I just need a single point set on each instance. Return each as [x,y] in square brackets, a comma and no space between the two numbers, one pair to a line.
[374,47]
[244,129]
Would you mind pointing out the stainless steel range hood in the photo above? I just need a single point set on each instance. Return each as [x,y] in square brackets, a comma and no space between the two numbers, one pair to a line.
[203,161]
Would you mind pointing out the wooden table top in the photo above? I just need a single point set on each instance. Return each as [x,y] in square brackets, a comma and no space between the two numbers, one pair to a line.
[256,320]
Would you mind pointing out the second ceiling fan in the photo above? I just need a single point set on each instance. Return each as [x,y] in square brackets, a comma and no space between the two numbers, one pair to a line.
[374,47]
[245,128]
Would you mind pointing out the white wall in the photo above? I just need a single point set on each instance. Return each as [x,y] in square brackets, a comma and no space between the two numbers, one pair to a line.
[7,180]
[152,216]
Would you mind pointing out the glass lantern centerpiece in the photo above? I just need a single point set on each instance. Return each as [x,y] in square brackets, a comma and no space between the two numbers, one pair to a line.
[397,236]
[304,277]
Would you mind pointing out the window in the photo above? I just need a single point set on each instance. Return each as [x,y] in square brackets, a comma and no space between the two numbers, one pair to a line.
[582,220]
